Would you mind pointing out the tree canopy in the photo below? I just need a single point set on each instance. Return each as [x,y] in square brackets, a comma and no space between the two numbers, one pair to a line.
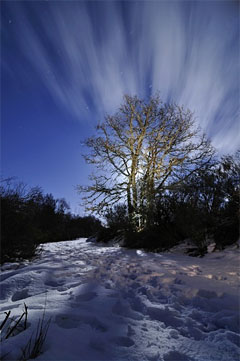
[144,148]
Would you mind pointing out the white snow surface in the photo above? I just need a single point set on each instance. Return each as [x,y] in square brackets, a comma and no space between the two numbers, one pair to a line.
[110,303]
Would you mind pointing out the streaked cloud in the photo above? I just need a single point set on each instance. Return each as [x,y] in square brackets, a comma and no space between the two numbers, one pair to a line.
[88,54]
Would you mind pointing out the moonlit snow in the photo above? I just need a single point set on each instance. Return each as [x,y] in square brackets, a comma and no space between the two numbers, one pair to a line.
[110,303]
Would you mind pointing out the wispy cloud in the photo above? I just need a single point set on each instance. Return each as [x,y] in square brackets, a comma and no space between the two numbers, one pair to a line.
[89,54]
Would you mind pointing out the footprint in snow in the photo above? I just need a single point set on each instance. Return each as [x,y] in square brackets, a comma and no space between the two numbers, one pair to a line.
[73,321]
[86,296]
[20,295]
[176,356]
[165,315]
[53,283]
[123,341]
[66,321]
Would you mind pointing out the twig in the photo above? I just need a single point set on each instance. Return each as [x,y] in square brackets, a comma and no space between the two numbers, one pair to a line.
[31,352]
[26,316]
[15,326]
[5,320]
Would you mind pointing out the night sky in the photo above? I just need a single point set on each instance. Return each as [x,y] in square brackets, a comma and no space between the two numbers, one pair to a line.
[64,64]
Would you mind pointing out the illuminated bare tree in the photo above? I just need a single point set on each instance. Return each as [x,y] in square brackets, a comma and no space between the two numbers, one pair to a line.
[142,149]
[174,149]
[116,152]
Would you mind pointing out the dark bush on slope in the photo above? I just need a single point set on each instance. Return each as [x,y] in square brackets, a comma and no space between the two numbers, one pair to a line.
[155,239]
[203,208]
[29,217]
[105,235]
[207,206]
[117,217]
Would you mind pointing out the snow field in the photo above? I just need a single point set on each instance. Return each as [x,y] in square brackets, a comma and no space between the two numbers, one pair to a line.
[109,303]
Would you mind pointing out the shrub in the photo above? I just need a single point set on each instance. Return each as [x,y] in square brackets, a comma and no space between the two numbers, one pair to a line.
[153,239]
[106,235]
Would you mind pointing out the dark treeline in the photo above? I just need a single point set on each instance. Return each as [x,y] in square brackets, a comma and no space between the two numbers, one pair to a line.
[204,208]
[30,217]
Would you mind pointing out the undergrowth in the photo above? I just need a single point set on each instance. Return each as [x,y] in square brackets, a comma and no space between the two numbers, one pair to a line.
[12,326]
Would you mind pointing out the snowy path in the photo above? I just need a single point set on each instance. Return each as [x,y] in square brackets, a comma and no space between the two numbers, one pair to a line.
[116,304]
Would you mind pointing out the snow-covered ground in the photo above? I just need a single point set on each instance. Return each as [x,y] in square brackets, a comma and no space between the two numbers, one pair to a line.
[117,304]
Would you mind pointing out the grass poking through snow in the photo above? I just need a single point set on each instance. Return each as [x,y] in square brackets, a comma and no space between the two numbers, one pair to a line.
[11,327]
[35,344]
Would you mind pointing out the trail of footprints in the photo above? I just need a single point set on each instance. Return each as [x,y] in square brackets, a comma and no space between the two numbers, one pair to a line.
[69,321]
[74,321]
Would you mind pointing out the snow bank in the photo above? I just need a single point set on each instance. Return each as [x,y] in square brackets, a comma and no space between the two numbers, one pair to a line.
[109,303]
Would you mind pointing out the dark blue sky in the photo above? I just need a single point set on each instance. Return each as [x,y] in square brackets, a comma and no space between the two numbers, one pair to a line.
[64,64]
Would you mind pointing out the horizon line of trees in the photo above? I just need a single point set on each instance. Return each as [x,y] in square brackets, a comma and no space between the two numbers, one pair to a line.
[30,217]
